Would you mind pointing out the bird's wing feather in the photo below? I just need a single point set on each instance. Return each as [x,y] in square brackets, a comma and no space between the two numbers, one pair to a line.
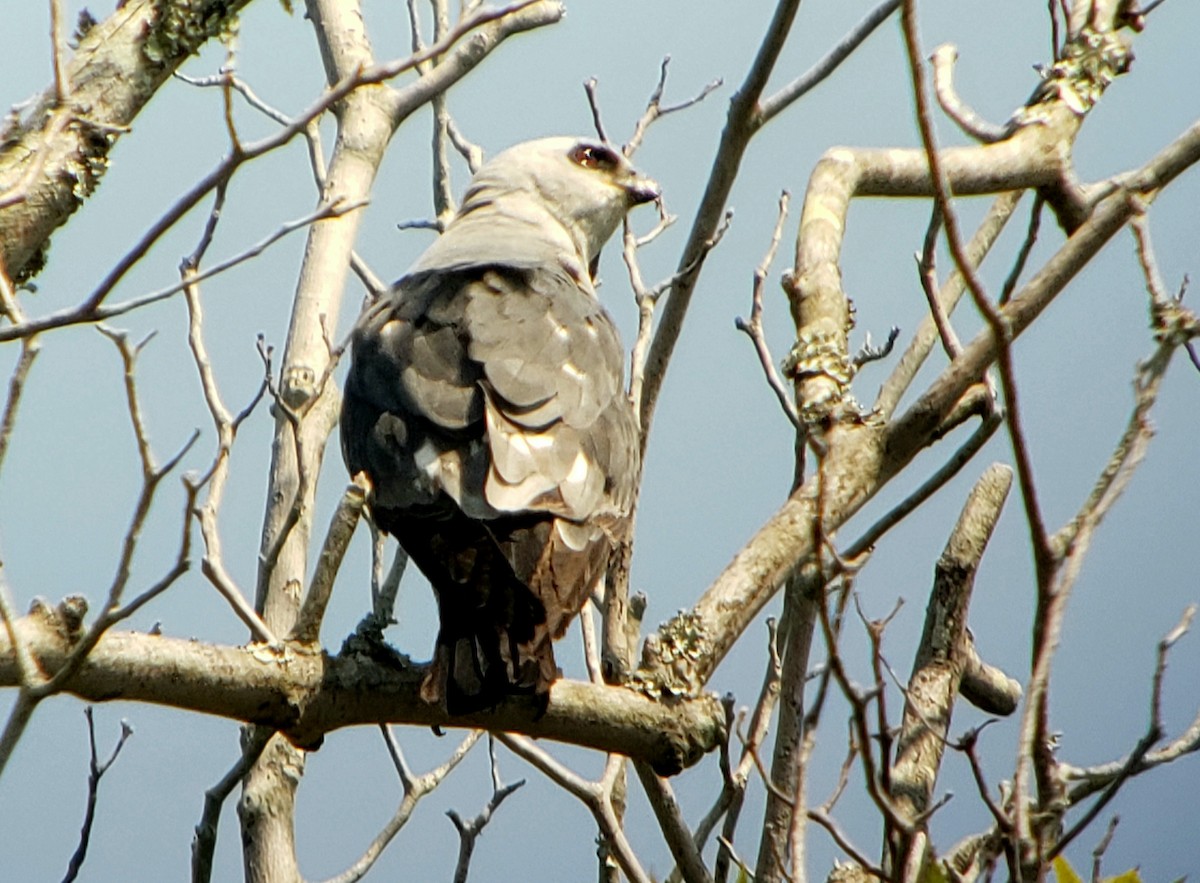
[524,361]
[486,405]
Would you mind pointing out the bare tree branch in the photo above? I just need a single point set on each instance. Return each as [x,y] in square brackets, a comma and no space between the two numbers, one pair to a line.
[654,110]
[204,838]
[971,123]
[919,348]
[674,828]
[743,121]
[54,157]
[820,71]
[596,796]
[469,830]
[96,771]
[754,327]
[415,789]
[940,660]
[311,695]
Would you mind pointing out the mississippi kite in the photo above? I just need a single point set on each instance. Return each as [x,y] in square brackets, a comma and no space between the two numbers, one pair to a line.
[486,404]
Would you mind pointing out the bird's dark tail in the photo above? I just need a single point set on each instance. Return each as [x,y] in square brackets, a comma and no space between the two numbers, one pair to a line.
[492,641]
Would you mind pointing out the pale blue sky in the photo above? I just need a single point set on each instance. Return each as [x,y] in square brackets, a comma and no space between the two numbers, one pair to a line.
[719,461]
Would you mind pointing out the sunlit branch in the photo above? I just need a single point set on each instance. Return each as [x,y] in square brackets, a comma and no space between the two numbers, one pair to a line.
[594,795]
[967,119]
[820,71]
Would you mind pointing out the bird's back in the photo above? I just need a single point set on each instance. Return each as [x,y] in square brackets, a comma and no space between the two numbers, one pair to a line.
[486,405]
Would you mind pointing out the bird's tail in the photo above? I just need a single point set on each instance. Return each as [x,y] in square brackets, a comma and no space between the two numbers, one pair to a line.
[476,665]
[492,642]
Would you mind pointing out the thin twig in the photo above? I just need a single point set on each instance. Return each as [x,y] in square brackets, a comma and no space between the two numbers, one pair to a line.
[928,488]
[88,313]
[647,298]
[16,386]
[589,87]
[744,119]
[1154,733]
[90,308]
[754,327]
[927,271]
[922,342]
[96,771]
[966,745]
[228,79]
[337,539]
[846,845]
[671,823]
[1102,847]
[469,830]
[62,82]
[226,426]
[820,71]
[152,475]
[1031,234]
[594,795]
[654,110]
[1039,536]
[415,789]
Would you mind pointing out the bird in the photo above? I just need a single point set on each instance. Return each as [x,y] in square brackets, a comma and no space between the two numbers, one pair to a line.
[485,403]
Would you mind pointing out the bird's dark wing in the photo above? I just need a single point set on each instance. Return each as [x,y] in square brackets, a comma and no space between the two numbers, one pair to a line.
[486,406]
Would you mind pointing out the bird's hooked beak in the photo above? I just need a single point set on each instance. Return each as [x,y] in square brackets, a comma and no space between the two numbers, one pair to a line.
[641,190]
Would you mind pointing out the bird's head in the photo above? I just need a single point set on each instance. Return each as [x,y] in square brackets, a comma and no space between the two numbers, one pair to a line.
[581,183]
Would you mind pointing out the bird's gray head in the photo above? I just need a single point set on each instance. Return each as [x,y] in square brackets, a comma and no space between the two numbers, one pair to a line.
[554,198]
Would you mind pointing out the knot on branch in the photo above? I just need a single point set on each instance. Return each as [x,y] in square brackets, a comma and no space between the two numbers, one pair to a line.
[299,386]
[87,167]
[1172,323]
[181,28]
[819,362]
[66,619]
[1089,63]
[671,657]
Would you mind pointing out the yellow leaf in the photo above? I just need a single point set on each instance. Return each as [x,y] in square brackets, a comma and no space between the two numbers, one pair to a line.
[1063,871]
[1131,876]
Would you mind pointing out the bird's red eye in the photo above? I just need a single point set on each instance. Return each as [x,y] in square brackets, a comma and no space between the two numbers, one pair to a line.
[595,156]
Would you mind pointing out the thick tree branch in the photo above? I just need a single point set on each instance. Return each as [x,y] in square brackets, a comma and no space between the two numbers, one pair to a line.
[309,694]
[863,457]
[54,157]
[941,658]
